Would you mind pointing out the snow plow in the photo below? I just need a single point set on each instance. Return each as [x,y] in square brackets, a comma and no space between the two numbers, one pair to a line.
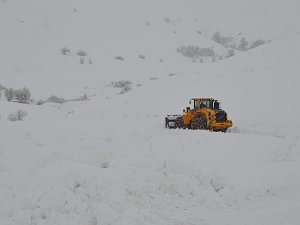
[205,114]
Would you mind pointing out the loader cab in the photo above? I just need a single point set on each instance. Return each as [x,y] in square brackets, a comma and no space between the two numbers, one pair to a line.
[216,104]
[204,103]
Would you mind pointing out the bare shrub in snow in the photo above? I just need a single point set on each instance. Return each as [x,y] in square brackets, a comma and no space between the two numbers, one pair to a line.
[230,53]
[119,58]
[142,57]
[81,60]
[65,51]
[225,41]
[125,90]
[40,102]
[167,20]
[105,164]
[125,85]
[216,184]
[217,37]
[257,43]
[82,53]
[18,115]
[81,98]
[9,94]
[60,100]
[55,99]
[243,46]
[195,51]
[23,95]
[121,83]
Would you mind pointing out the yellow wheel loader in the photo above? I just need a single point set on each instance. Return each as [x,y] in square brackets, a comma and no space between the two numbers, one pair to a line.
[205,114]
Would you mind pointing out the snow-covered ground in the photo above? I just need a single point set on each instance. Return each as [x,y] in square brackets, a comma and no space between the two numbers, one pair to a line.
[109,160]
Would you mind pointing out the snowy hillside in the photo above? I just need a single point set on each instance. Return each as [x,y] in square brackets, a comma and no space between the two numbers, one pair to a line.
[108,159]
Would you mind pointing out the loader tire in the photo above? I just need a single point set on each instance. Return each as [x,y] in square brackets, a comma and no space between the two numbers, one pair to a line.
[199,124]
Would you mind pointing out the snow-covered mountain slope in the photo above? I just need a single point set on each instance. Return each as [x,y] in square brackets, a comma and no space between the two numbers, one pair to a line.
[33,33]
[109,159]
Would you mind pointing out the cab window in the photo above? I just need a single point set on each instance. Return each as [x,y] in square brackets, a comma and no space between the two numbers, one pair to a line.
[196,105]
[204,104]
